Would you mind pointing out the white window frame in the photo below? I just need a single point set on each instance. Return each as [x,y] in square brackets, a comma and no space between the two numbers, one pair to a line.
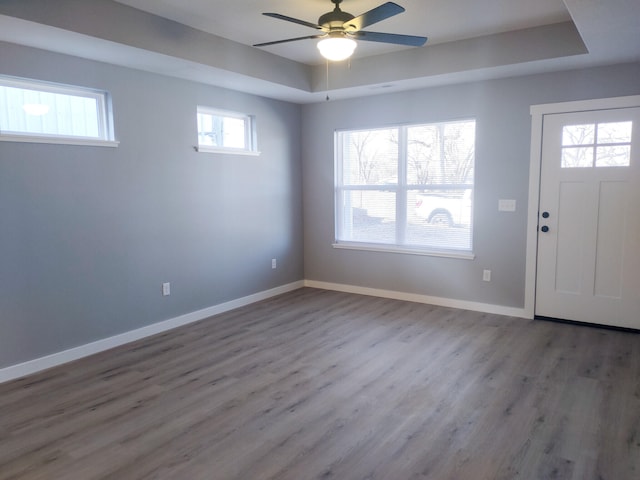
[250,136]
[105,137]
[401,190]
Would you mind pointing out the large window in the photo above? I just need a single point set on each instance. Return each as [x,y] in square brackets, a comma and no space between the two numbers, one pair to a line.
[226,132]
[406,188]
[35,111]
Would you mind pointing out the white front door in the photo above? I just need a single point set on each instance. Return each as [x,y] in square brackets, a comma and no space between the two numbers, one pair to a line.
[588,263]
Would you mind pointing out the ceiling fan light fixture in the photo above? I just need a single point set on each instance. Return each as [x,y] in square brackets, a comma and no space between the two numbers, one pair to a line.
[337,48]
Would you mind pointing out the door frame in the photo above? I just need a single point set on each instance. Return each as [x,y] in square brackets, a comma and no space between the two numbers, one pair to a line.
[537,117]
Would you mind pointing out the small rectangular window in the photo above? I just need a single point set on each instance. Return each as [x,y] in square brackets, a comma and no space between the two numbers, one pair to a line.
[599,145]
[43,112]
[226,132]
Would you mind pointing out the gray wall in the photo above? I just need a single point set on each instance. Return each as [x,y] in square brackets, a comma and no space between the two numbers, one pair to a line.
[88,234]
[501,110]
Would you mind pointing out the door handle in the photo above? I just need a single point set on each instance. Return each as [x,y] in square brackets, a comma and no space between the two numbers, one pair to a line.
[544,228]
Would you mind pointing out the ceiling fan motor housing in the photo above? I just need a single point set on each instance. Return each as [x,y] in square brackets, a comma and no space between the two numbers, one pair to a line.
[335,20]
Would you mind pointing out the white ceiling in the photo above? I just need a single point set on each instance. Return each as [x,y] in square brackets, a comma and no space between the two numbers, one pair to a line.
[440,21]
[210,40]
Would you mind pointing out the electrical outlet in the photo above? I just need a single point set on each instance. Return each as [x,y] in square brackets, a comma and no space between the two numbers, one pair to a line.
[273,263]
[486,275]
[166,289]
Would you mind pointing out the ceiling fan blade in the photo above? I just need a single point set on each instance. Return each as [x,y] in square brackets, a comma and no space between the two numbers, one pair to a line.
[382,12]
[288,40]
[294,20]
[410,40]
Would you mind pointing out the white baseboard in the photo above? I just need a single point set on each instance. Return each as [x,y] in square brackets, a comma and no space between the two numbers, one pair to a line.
[55,359]
[36,365]
[414,297]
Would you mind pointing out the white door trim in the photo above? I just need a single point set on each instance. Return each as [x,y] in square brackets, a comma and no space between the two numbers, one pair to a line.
[537,115]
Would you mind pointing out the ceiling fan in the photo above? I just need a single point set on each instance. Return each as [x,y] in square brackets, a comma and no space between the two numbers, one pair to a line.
[340,30]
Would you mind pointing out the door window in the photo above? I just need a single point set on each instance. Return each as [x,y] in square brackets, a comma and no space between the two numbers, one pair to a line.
[596,145]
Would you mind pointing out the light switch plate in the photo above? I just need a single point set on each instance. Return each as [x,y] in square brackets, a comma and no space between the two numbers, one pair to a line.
[506,205]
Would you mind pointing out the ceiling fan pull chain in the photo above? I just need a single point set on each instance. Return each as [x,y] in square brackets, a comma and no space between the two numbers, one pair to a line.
[327,99]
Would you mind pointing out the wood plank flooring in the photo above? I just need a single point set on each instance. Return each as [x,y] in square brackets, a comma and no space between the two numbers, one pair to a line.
[316,384]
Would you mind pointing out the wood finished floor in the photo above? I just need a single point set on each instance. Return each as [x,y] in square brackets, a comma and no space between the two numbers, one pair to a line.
[324,385]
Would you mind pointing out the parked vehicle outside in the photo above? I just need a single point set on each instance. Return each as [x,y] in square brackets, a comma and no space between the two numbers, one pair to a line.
[447,209]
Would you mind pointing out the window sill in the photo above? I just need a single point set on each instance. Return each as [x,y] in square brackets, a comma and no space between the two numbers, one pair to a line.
[90,142]
[369,247]
[229,151]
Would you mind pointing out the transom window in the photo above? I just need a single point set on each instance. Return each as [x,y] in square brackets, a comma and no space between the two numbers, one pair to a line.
[36,111]
[227,132]
[596,144]
[406,188]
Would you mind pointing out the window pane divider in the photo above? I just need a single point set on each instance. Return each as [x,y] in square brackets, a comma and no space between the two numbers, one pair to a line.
[401,196]
[364,188]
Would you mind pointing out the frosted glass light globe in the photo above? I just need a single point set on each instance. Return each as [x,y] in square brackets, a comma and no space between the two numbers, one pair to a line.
[337,48]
